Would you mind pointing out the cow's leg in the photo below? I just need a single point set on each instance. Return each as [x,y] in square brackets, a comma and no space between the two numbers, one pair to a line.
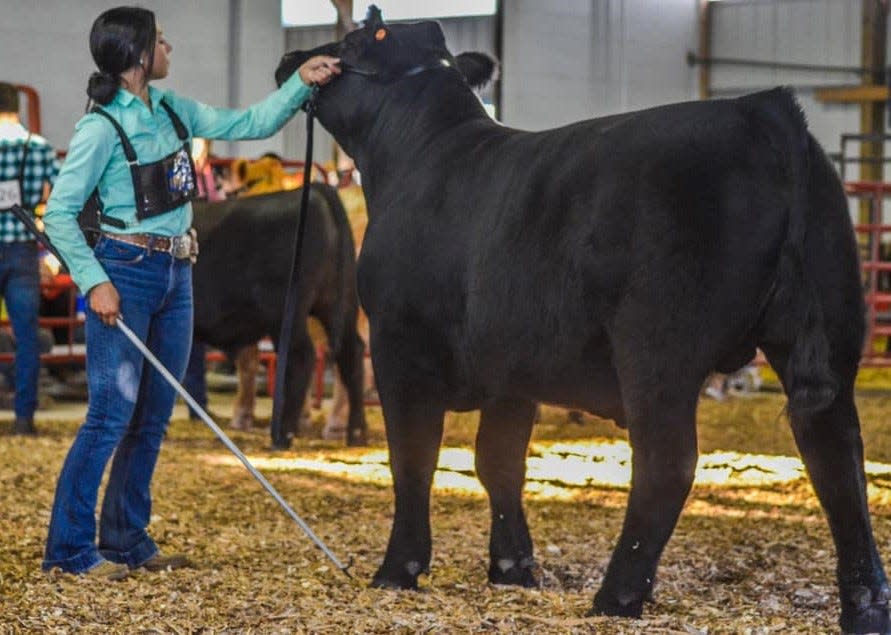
[414,433]
[247,363]
[336,424]
[301,361]
[662,432]
[832,450]
[350,360]
[501,444]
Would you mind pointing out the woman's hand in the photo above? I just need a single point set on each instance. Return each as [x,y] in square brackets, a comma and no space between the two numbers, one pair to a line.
[105,302]
[319,70]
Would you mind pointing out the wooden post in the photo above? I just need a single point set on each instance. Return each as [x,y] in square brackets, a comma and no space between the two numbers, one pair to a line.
[705,48]
[872,113]
[344,25]
[344,18]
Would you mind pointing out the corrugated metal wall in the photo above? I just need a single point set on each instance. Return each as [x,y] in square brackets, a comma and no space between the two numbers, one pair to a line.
[816,32]
[577,59]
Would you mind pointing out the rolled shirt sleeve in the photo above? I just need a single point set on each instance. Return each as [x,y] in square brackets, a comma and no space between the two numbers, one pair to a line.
[94,158]
[88,154]
[261,120]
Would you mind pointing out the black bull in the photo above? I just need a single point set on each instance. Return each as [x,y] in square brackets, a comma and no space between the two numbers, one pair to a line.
[241,277]
[609,265]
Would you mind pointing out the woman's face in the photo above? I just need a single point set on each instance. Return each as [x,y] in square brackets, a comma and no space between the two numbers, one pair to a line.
[161,63]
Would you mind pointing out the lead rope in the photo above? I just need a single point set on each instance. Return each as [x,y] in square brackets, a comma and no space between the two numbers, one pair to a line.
[281,438]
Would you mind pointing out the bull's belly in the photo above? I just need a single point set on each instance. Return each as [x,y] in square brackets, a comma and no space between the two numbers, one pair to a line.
[587,387]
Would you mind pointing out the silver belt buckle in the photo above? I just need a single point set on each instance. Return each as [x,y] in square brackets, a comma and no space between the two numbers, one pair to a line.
[179,246]
[185,246]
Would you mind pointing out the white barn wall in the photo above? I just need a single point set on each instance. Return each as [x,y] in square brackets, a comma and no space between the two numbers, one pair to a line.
[198,29]
[816,32]
[564,60]
[576,59]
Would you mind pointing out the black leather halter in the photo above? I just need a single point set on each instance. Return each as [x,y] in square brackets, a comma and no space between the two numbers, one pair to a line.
[440,64]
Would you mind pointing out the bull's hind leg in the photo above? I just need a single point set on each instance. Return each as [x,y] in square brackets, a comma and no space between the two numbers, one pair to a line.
[301,360]
[350,365]
[832,450]
[414,434]
[247,363]
[662,431]
[501,443]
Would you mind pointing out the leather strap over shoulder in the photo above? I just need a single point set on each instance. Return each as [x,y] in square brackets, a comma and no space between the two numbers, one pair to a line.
[181,131]
[129,152]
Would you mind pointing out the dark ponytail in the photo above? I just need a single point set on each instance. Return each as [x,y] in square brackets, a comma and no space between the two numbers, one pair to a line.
[101,87]
[118,39]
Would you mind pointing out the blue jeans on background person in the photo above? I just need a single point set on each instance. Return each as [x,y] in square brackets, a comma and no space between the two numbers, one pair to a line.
[129,409]
[195,379]
[20,287]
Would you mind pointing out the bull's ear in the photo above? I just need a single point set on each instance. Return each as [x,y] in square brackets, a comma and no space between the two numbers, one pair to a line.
[478,68]
[373,19]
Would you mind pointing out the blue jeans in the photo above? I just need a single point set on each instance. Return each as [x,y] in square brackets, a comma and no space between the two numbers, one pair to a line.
[129,408]
[20,287]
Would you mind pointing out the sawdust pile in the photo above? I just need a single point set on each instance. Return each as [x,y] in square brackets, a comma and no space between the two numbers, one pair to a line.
[747,557]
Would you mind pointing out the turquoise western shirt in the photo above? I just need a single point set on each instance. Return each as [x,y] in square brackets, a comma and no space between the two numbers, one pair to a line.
[96,158]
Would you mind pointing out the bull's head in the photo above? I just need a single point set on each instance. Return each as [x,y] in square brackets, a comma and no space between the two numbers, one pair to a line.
[376,59]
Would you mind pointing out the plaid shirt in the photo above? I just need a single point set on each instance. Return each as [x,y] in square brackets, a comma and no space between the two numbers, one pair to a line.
[41,167]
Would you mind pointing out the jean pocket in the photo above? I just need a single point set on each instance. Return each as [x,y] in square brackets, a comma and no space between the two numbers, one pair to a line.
[117,252]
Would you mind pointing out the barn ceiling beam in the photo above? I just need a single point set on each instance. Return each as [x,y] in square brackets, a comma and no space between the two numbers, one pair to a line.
[851,94]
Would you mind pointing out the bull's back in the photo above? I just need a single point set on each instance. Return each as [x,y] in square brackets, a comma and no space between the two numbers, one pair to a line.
[551,235]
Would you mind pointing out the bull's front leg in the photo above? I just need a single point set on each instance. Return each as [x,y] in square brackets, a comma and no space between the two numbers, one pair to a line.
[414,433]
[663,440]
[501,443]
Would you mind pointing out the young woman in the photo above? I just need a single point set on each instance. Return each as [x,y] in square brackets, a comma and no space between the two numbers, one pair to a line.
[132,152]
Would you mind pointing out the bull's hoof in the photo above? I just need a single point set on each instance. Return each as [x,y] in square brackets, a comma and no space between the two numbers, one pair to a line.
[611,605]
[357,438]
[334,431]
[281,444]
[866,612]
[403,578]
[242,422]
[511,572]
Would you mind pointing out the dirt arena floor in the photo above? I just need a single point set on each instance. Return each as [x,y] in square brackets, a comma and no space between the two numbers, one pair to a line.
[751,554]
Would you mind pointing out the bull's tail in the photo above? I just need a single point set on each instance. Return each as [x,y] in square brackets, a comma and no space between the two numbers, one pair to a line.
[345,254]
[811,384]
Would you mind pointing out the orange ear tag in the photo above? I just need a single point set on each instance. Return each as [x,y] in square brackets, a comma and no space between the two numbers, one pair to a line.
[380,34]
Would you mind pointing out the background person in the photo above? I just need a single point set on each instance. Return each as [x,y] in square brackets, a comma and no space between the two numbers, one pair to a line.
[27,166]
[133,272]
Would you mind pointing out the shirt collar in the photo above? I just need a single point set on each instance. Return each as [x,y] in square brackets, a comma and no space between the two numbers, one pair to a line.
[125,98]
[10,131]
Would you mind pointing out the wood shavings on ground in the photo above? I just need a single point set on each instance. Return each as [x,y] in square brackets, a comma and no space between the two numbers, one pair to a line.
[750,556]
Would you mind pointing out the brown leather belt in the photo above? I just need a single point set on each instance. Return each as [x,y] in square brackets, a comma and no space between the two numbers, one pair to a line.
[181,247]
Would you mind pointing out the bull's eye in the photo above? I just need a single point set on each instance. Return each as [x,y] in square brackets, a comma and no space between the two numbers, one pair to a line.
[380,34]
